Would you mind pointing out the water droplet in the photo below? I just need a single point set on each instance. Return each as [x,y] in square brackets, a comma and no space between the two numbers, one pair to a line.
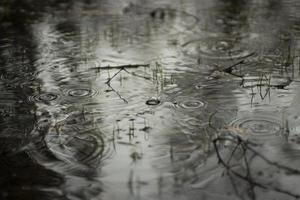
[153,101]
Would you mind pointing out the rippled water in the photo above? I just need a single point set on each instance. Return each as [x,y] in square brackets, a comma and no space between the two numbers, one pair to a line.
[215,48]
[149,100]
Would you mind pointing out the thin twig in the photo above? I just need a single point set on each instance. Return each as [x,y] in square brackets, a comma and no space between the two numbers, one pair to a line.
[291,170]
[232,153]
[109,79]
[235,188]
[137,75]
[246,178]
[117,93]
[210,120]
[121,66]
[247,145]
[229,69]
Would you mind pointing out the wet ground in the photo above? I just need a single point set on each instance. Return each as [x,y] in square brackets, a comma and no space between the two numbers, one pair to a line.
[110,99]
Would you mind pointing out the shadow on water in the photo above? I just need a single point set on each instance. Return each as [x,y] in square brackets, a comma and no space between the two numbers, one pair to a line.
[25,151]
[149,100]
[18,118]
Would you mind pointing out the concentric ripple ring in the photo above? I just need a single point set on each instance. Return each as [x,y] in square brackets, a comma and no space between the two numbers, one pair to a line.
[257,126]
[43,97]
[82,92]
[214,48]
[191,104]
[85,148]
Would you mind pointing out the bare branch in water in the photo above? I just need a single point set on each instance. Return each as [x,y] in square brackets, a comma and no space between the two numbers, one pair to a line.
[230,68]
[109,79]
[137,75]
[119,95]
[247,147]
[121,66]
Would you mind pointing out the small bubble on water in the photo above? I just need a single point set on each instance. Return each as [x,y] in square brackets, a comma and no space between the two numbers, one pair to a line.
[153,101]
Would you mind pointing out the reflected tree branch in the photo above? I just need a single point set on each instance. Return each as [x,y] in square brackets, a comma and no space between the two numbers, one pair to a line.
[246,146]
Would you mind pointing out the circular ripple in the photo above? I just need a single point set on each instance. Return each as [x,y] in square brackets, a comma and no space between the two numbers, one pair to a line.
[258,126]
[153,101]
[80,148]
[191,104]
[43,97]
[82,92]
[191,125]
[214,48]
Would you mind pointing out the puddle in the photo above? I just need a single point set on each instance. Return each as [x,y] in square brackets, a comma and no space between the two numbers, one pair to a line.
[215,48]
[149,100]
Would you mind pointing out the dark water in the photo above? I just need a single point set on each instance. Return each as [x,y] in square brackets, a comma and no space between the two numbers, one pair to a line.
[110,99]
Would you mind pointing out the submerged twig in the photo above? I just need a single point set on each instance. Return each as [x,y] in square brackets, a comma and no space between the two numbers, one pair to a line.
[117,93]
[210,120]
[109,79]
[137,75]
[245,145]
[230,68]
[121,66]
[234,185]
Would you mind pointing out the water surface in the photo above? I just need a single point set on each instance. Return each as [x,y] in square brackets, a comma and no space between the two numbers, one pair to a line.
[149,100]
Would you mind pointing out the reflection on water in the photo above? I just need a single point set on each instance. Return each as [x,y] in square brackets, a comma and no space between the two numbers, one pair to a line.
[149,100]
